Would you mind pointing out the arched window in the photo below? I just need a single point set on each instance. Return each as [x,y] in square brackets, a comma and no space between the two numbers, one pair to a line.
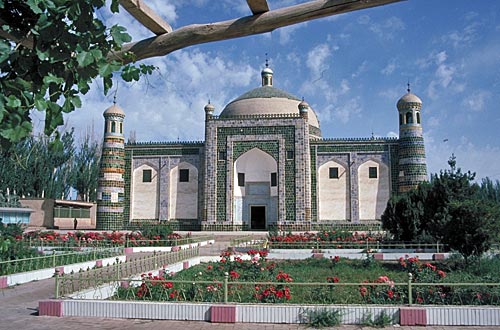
[418,117]
[113,127]
[401,119]
[409,118]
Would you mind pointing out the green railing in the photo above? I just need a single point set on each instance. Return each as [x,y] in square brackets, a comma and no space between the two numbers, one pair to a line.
[73,282]
[226,291]
[168,242]
[365,245]
[56,258]
[71,244]
[248,241]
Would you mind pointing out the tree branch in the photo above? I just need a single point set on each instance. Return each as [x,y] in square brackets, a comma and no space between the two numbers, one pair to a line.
[202,33]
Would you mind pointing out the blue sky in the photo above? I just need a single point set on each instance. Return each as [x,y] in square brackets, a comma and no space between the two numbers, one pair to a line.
[351,69]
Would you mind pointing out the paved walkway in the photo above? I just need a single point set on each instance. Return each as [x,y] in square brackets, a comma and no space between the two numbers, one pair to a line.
[19,310]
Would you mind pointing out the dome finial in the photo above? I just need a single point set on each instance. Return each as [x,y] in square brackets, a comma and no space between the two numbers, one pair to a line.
[267,74]
[408,84]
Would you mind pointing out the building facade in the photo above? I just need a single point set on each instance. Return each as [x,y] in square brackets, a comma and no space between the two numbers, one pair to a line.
[264,164]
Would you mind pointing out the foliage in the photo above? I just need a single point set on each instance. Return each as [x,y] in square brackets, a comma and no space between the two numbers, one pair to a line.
[35,167]
[85,169]
[322,317]
[448,209]
[158,231]
[55,50]
[11,245]
[381,320]
[321,239]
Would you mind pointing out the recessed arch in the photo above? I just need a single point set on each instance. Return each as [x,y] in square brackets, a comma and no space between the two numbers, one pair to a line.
[333,178]
[183,191]
[373,188]
[145,192]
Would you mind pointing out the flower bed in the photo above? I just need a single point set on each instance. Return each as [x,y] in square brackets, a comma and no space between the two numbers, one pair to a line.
[253,279]
[115,238]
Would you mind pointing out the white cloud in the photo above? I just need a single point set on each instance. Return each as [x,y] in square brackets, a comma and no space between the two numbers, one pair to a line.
[476,101]
[317,59]
[389,68]
[286,33]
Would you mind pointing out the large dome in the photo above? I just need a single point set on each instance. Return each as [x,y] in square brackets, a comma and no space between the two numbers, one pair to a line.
[266,100]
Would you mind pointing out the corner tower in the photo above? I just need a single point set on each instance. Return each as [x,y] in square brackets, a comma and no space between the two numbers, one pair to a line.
[411,163]
[111,186]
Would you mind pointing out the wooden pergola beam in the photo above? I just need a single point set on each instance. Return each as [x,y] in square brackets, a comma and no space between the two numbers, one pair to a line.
[146,16]
[27,41]
[266,22]
[258,6]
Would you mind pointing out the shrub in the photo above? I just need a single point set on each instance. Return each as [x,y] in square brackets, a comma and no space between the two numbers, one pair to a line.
[323,317]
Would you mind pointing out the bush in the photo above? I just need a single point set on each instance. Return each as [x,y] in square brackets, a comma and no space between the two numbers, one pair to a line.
[320,318]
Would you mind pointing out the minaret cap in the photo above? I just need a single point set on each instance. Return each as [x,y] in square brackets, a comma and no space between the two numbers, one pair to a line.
[209,108]
[114,110]
[303,106]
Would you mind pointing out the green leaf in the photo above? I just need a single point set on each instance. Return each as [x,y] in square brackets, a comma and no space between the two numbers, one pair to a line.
[119,35]
[130,73]
[40,103]
[115,8]
[108,83]
[33,4]
[50,78]
[84,59]
[13,102]
[4,50]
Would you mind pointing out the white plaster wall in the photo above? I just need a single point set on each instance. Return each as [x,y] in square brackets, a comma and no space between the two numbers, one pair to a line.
[373,193]
[332,193]
[257,166]
[183,195]
[144,196]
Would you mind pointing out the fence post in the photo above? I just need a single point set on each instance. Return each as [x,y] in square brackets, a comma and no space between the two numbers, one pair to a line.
[53,258]
[57,275]
[226,279]
[118,268]
[410,294]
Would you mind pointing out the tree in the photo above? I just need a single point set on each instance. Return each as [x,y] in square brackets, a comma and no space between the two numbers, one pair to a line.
[86,169]
[474,227]
[450,209]
[50,51]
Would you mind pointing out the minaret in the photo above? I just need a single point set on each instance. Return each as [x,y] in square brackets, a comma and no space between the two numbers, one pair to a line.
[412,163]
[111,186]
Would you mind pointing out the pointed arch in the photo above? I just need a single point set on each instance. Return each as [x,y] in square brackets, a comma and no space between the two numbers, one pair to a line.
[144,204]
[183,192]
[374,189]
[333,178]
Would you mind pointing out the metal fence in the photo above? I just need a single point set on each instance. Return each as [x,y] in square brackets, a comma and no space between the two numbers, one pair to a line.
[73,282]
[56,258]
[226,291]
[365,245]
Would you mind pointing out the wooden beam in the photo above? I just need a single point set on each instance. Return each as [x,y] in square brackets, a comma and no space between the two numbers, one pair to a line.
[202,33]
[26,41]
[258,6]
[146,16]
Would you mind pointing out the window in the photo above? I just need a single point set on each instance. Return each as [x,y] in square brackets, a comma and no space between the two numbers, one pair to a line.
[274,179]
[113,127]
[289,154]
[222,155]
[147,175]
[409,118]
[418,117]
[121,128]
[184,175]
[334,172]
[401,119]
[372,172]
[241,179]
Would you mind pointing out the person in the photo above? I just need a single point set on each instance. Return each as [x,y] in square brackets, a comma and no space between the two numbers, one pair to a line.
[75,223]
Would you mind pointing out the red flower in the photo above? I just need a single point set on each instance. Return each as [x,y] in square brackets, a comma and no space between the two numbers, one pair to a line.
[390,294]
[234,274]
[441,273]
[363,291]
